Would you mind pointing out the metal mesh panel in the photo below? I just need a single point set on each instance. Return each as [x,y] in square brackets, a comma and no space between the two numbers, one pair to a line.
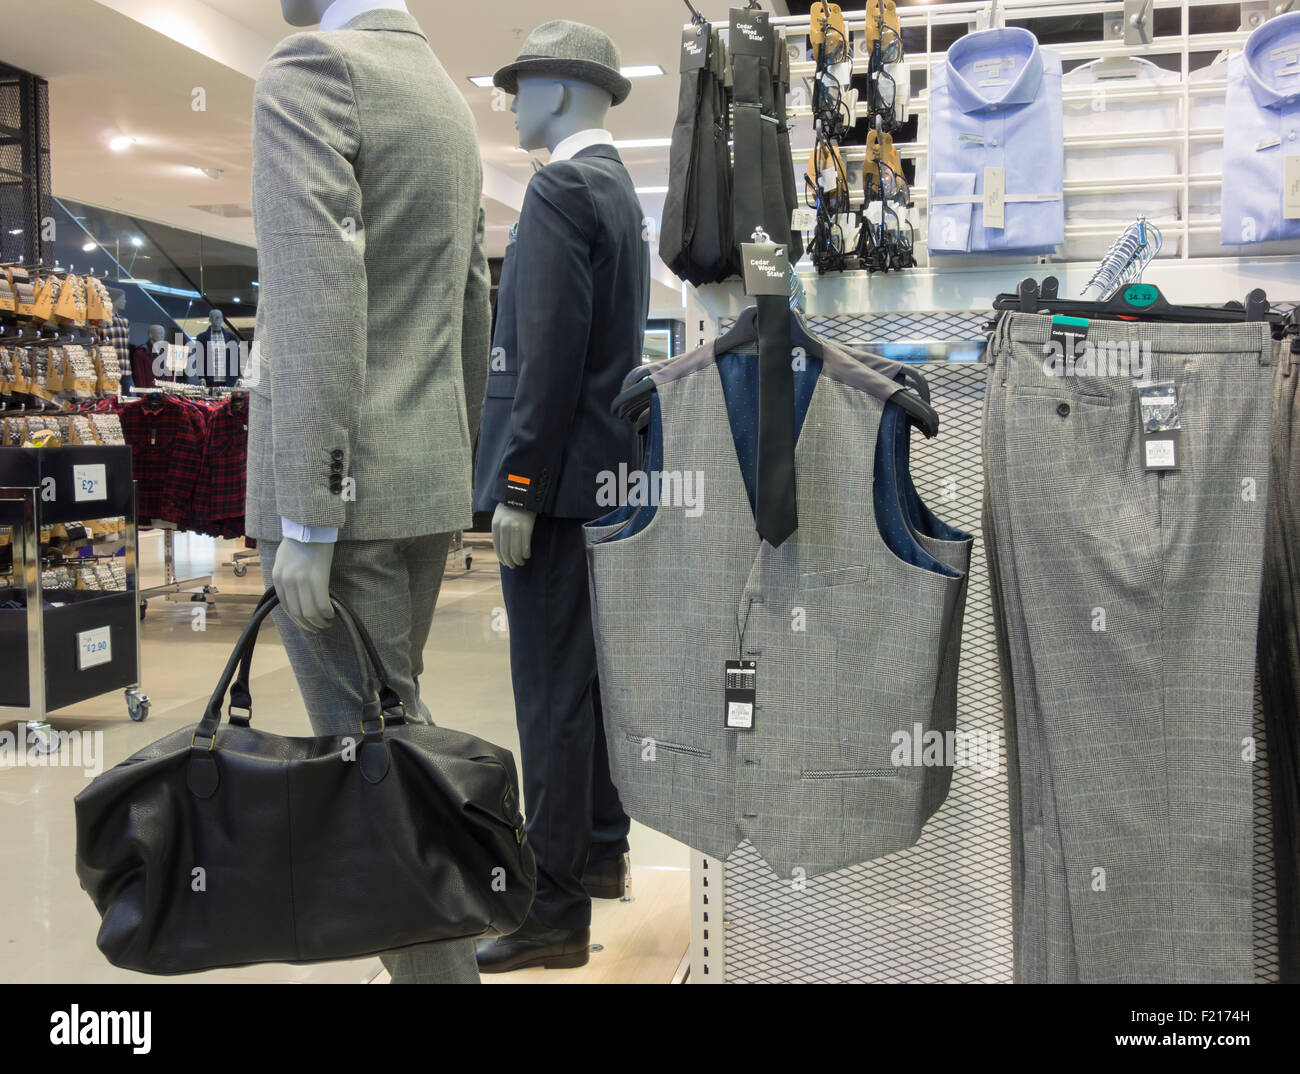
[941,910]
[24,165]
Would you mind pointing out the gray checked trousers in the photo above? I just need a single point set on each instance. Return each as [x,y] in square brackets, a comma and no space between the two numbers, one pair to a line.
[393,588]
[1127,604]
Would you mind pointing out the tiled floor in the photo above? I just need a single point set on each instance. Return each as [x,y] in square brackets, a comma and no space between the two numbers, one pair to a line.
[47,930]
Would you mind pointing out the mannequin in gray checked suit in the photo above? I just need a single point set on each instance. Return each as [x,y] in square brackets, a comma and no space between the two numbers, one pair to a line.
[373,339]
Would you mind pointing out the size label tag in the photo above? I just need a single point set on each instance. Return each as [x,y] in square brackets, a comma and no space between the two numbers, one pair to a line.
[767,269]
[971,139]
[695,48]
[1291,189]
[740,694]
[89,482]
[995,195]
[94,647]
[1161,424]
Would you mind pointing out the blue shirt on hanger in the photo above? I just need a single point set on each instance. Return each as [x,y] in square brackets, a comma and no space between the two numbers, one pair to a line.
[996,117]
[1261,130]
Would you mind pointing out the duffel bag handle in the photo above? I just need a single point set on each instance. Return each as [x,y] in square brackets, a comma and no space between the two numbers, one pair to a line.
[387,700]
[241,697]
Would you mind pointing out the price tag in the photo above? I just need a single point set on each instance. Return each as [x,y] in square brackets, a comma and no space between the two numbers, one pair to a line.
[995,193]
[1291,189]
[803,220]
[89,482]
[94,647]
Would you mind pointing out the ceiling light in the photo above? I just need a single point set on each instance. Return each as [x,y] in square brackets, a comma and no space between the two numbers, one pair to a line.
[643,143]
[482,81]
[652,190]
[256,284]
[15,231]
[236,299]
[121,142]
[88,246]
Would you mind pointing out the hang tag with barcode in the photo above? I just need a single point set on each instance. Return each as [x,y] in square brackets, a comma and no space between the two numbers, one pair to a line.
[1161,424]
[1291,189]
[740,694]
[995,194]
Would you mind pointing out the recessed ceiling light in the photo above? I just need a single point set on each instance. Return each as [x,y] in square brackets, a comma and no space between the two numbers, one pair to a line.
[136,240]
[643,143]
[88,246]
[236,299]
[652,190]
[121,142]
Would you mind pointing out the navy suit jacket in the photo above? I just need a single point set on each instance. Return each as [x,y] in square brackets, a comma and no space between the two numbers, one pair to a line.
[571,315]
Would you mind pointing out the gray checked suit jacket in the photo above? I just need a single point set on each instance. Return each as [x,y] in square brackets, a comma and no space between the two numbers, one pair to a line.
[373,325]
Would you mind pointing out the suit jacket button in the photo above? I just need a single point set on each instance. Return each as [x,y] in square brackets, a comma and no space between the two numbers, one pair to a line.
[337,453]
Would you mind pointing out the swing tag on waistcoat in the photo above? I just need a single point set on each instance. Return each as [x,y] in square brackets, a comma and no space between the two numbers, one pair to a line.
[740,694]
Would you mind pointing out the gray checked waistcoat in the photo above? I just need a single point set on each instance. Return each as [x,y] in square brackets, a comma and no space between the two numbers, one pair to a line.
[855,638]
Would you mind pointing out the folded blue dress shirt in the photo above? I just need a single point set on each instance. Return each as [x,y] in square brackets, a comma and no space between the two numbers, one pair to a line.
[996,146]
[1261,133]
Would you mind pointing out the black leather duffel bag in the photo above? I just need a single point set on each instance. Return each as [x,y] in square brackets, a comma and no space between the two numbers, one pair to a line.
[225,845]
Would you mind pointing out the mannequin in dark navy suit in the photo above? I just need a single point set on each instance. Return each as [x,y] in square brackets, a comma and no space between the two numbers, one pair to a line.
[572,309]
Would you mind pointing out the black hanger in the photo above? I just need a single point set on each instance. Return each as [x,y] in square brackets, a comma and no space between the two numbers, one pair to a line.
[1139,301]
[637,387]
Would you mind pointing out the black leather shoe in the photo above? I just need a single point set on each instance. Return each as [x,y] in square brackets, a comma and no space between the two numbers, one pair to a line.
[606,879]
[534,944]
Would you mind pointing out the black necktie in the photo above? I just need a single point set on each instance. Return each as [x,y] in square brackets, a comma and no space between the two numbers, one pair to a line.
[775,512]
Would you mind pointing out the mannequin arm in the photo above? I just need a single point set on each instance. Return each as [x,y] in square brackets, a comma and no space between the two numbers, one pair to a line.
[553,310]
[311,260]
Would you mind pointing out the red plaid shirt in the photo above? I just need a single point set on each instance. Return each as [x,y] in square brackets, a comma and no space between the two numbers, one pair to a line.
[219,490]
[167,436]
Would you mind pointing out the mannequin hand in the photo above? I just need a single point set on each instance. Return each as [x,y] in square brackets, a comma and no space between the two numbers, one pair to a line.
[301,577]
[512,534]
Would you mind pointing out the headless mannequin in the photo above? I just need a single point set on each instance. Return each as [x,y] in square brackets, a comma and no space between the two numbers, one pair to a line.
[547,111]
[302,568]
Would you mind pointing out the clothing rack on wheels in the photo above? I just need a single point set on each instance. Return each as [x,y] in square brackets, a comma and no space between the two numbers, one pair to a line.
[201,587]
[942,910]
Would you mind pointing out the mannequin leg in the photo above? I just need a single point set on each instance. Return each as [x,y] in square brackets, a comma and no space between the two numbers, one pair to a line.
[392,586]
[553,671]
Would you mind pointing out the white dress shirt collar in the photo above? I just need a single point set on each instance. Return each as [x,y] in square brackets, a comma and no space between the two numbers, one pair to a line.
[1277,38]
[1017,46]
[576,143]
[341,12]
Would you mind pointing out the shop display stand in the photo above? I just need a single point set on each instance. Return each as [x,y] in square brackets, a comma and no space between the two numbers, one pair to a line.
[941,911]
[53,657]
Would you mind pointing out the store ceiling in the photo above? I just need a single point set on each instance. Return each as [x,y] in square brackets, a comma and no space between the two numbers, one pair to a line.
[131,67]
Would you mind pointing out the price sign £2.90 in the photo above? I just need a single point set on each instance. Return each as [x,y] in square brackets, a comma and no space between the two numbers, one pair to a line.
[94,647]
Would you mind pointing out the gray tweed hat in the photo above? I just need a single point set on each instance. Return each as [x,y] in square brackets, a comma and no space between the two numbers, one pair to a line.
[568,50]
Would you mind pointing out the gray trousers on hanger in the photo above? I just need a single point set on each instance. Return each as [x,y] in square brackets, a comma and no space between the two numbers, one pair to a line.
[392,586]
[1127,604]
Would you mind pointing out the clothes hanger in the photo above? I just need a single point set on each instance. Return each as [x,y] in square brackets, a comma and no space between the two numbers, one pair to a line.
[635,396]
[1137,301]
